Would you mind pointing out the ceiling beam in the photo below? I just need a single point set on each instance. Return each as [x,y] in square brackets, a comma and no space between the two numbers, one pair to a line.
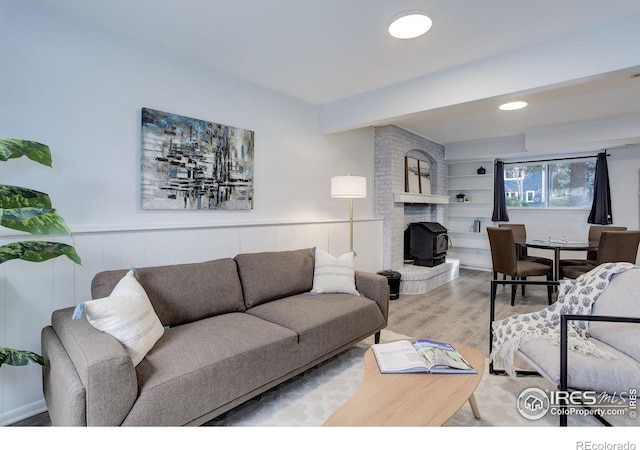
[572,59]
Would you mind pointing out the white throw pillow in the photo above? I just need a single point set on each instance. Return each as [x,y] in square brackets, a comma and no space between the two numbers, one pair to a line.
[334,275]
[127,315]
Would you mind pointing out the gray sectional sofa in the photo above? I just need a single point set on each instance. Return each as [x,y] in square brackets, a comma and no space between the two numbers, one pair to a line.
[234,328]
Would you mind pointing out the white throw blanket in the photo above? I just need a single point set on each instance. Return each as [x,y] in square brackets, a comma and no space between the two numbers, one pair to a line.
[574,297]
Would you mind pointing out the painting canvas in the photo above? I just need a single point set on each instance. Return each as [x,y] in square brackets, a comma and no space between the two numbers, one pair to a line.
[417,177]
[194,164]
[412,175]
[425,177]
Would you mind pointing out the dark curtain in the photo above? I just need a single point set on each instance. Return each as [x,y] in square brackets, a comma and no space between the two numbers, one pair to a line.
[499,199]
[601,207]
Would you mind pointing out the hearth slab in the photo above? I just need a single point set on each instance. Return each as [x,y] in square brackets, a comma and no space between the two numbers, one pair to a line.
[420,279]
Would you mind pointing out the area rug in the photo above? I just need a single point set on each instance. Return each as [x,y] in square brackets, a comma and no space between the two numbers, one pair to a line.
[310,398]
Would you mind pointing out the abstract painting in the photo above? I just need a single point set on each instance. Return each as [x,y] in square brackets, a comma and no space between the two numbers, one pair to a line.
[194,164]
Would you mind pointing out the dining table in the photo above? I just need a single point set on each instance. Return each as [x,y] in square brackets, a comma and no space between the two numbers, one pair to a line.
[558,245]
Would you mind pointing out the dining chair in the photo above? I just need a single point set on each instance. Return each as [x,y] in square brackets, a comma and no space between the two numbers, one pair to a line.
[520,236]
[595,231]
[614,246]
[505,261]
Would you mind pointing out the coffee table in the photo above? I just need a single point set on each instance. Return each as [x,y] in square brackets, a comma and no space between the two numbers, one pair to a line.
[412,399]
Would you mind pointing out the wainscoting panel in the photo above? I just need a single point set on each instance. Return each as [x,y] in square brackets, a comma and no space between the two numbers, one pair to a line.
[268,237]
[30,292]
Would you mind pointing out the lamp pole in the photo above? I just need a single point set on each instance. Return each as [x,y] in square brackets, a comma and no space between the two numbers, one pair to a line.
[349,187]
[351,224]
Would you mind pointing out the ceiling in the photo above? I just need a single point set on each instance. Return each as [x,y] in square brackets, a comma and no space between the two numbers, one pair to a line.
[325,51]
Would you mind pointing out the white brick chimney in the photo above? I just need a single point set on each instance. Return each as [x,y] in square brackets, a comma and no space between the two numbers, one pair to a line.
[392,144]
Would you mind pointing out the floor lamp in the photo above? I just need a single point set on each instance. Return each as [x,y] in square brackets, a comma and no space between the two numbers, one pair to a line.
[349,186]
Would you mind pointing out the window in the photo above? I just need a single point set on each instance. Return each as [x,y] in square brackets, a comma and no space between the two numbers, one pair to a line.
[563,184]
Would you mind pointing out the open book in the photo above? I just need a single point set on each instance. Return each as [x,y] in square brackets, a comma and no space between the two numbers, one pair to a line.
[421,355]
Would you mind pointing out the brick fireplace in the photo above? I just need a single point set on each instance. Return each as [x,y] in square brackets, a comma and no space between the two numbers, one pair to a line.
[392,144]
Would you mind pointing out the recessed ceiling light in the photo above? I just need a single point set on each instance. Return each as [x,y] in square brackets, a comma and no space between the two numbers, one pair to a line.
[409,24]
[511,106]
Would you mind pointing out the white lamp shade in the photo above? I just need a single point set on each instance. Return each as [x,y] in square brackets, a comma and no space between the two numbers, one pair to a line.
[349,186]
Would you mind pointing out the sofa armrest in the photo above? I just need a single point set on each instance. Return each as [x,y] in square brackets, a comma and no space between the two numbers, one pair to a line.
[104,368]
[375,287]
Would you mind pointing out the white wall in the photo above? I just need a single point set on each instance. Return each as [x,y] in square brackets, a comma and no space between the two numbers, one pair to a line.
[80,91]
[624,177]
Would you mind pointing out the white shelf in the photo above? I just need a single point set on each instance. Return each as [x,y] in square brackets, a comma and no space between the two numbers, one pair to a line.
[470,188]
[488,176]
[481,217]
[469,204]
[472,248]
[407,197]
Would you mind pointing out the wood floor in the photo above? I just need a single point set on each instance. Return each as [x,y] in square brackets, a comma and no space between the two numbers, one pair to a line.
[456,312]
[459,310]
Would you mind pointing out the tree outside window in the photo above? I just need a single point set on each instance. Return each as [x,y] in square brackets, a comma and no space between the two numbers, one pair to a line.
[571,184]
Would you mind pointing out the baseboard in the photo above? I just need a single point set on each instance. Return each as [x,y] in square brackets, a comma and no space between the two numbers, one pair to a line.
[24,412]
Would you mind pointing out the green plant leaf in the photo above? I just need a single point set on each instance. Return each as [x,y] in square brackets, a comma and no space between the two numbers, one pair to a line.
[38,221]
[15,148]
[19,197]
[37,251]
[19,357]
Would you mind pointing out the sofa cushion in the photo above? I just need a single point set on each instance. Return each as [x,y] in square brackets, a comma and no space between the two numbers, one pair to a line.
[127,315]
[272,275]
[586,372]
[183,293]
[334,275]
[200,366]
[323,322]
[620,298]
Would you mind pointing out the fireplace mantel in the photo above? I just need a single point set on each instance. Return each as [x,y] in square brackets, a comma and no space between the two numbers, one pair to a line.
[407,197]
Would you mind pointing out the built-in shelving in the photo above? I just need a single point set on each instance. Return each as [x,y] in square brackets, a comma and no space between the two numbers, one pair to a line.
[469,246]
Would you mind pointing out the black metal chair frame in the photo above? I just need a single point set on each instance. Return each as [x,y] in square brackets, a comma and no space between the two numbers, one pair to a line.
[564,362]
[564,319]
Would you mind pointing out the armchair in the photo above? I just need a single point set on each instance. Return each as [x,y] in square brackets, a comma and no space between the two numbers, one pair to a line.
[607,361]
